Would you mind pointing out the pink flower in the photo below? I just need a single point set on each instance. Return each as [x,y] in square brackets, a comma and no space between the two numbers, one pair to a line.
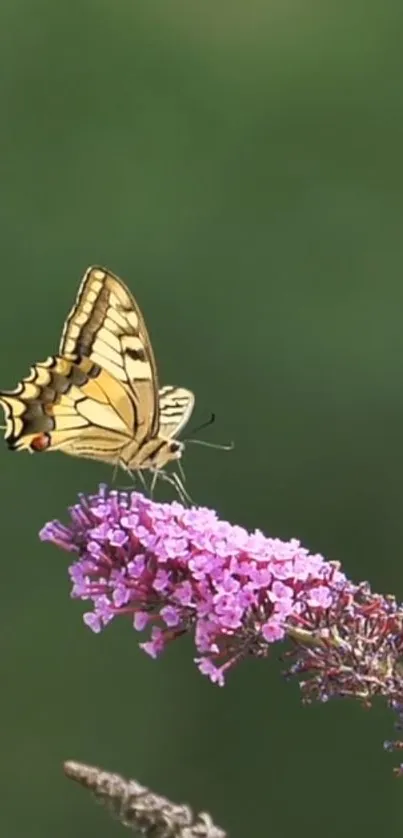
[183,570]
[175,570]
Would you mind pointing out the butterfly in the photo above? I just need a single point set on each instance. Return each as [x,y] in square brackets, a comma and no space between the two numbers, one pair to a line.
[99,397]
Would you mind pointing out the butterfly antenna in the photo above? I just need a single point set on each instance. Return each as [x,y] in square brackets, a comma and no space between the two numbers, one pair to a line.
[203,425]
[220,446]
[227,447]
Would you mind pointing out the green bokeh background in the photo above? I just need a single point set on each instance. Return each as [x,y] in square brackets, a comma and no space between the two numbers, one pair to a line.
[240,165]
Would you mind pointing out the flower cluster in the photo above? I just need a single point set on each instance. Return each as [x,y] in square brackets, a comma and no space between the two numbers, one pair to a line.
[177,570]
[352,650]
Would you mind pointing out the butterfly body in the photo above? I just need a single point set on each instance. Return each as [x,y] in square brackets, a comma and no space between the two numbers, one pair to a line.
[99,397]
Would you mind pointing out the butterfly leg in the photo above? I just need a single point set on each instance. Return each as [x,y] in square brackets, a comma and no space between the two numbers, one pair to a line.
[148,490]
[115,470]
[154,479]
[139,474]
[180,480]
[158,473]
[175,481]
[182,492]
[134,474]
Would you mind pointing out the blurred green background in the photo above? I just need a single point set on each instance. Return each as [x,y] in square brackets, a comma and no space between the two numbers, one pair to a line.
[240,165]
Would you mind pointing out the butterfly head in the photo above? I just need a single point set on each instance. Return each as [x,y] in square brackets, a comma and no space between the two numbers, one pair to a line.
[175,448]
[156,454]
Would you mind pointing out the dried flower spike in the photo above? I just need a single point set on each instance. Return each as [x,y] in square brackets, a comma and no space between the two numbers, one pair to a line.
[140,809]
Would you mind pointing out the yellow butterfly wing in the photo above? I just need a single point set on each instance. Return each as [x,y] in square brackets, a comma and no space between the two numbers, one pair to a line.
[106,326]
[74,407]
[175,407]
[99,397]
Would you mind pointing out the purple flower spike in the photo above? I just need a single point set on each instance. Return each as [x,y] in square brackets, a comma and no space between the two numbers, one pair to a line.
[176,570]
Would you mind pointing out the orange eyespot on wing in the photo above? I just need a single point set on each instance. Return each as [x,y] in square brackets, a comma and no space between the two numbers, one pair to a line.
[68,406]
[40,442]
